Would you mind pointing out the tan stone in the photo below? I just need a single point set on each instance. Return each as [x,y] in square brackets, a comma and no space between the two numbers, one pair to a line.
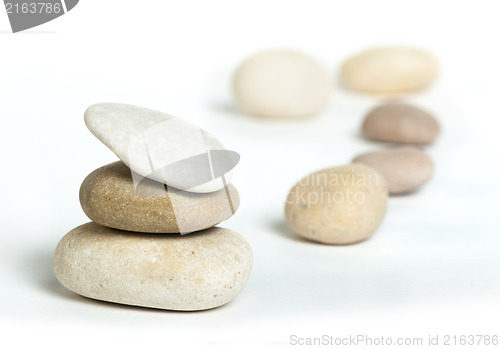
[339,205]
[390,69]
[109,197]
[197,271]
[405,169]
[282,84]
[400,123]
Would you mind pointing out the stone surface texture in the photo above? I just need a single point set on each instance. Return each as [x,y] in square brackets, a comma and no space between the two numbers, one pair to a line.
[192,272]
[340,205]
[109,196]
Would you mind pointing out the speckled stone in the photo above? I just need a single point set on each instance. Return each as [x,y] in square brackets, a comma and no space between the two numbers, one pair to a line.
[340,205]
[282,83]
[192,272]
[405,169]
[400,123]
[390,70]
[115,197]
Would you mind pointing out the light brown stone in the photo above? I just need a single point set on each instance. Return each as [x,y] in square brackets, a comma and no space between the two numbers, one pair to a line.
[405,169]
[339,205]
[197,271]
[110,197]
[400,123]
[390,70]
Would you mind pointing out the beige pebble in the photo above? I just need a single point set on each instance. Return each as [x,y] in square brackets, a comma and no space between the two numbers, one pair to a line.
[340,205]
[197,271]
[400,123]
[405,169]
[390,69]
[110,197]
[282,84]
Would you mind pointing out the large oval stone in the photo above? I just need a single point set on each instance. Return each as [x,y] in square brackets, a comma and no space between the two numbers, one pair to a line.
[339,205]
[116,197]
[390,69]
[192,272]
[405,169]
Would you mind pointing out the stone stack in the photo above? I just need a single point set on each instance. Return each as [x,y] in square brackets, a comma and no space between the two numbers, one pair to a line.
[152,241]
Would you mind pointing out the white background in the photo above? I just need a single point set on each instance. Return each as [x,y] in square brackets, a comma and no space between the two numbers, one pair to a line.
[431,268]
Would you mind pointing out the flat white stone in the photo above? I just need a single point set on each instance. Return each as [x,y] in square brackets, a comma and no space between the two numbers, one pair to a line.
[160,146]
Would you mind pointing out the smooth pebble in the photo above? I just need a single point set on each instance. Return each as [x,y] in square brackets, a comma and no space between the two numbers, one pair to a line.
[162,147]
[339,205]
[192,272]
[390,69]
[282,84]
[110,197]
[405,169]
[400,123]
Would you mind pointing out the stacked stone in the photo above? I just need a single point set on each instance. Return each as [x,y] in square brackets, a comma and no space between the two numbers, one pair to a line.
[152,241]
